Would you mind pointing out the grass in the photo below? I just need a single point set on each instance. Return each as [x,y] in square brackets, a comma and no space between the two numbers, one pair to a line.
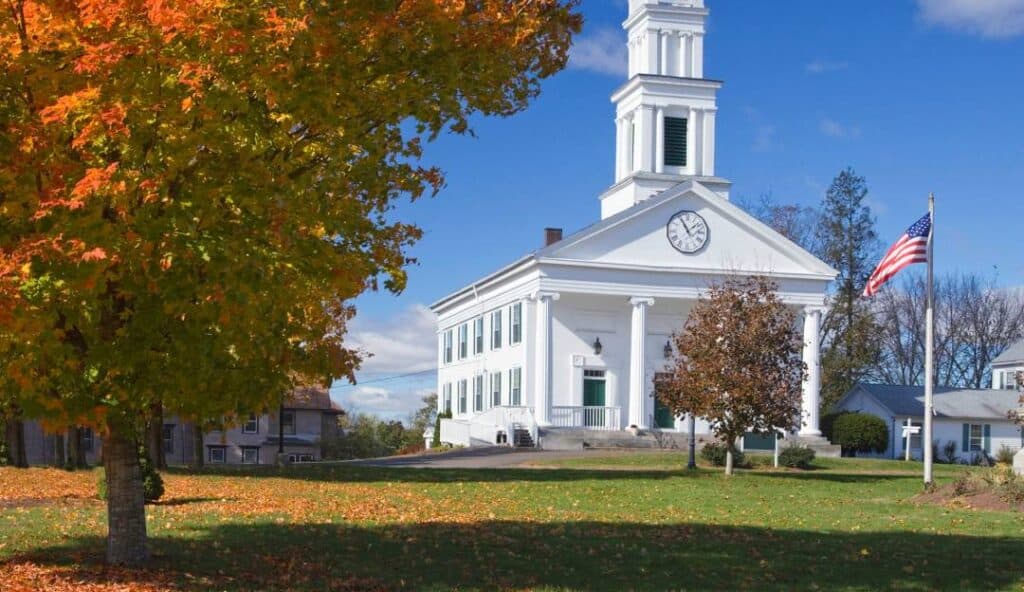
[851,525]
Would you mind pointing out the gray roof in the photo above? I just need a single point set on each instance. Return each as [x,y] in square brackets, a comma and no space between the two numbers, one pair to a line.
[949,402]
[1013,354]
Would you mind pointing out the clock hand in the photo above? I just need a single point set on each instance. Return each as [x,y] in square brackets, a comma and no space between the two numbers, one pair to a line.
[688,231]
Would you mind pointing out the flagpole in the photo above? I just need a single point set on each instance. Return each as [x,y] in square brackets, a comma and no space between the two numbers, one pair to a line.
[929,372]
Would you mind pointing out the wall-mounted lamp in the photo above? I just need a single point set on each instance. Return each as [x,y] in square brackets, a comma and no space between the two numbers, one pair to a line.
[668,349]
[597,346]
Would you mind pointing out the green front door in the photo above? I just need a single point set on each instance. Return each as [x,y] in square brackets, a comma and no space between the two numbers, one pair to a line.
[593,396]
[663,415]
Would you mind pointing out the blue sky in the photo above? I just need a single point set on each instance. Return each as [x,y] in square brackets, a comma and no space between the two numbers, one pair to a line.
[915,95]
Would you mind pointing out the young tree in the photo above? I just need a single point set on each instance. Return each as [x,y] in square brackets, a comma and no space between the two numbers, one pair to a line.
[193,192]
[847,241]
[738,363]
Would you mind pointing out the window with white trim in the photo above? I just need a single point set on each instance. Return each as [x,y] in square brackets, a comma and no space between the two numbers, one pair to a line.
[462,395]
[218,454]
[478,393]
[496,322]
[515,321]
[463,341]
[251,425]
[168,438]
[446,398]
[495,389]
[976,443]
[1009,379]
[288,423]
[478,336]
[250,455]
[447,346]
[515,388]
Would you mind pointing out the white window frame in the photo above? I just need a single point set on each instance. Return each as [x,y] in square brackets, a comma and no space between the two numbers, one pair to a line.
[446,397]
[515,322]
[447,346]
[284,428]
[222,452]
[478,393]
[515,387]
[463,341]
[496,389]
[496,328]
[980,438]
[254,420]
[463,396]
[168,438]
[1009,380]
[253,449]
[478,336]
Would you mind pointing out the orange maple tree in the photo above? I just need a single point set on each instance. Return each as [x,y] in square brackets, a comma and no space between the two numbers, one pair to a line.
[193,191]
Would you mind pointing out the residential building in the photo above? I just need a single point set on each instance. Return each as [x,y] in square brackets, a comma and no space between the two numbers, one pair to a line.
[1007,366]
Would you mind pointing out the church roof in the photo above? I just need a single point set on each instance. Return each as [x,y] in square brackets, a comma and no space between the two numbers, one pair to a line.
[950,402]
[1013,355]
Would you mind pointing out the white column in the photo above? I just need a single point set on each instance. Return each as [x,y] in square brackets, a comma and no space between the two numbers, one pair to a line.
[637,362]
[651,46]
[644,138]
[663,42]
[698,55]
[812,385]
[659,140]
[686,55]
[542,364]
[691,143]
[709,142]
[620,148]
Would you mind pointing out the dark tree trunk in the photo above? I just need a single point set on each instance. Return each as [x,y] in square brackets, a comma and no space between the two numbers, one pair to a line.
[76,452]
[15,434]
[126,510]
[197,446]
[59,452]
[155,437]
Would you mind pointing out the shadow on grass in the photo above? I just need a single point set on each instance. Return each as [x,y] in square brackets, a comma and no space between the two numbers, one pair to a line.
[576,556]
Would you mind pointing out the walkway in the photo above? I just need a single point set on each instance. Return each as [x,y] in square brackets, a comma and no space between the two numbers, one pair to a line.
[497,457]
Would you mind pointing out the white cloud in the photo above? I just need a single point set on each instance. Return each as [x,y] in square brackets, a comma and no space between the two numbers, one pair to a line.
[987,18]
[764,132]
[406,342]
[834,129]
[386,400]
[603,51]
[820,66]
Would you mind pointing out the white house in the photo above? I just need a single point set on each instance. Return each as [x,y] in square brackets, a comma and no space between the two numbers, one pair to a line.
[975,421]
[1007,365]
[569,338]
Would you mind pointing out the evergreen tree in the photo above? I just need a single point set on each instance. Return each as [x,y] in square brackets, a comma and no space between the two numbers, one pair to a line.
[847,241]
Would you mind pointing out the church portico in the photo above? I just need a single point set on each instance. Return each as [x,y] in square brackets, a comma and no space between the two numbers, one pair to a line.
[572,336]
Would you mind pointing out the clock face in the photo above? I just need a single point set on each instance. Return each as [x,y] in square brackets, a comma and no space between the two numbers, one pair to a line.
[687,232]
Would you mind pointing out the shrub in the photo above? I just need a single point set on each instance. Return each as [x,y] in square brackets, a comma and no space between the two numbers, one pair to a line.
[1005,455]
[828,420]
[796,456]
[714,453]
[860,432]
[152,483]
[949,451]
[436,442]
[963,484]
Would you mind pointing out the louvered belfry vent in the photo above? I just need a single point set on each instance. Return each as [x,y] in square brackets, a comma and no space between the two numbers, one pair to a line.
[675,141]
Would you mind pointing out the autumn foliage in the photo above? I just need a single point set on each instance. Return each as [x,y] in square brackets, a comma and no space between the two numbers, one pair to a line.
[192,192]
[737,362]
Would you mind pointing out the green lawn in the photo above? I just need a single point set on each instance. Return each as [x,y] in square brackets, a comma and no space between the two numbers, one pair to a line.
[850,525]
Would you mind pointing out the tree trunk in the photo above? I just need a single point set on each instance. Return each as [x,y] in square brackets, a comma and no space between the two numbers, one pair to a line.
[126,509]
[59,452]
[74,446]
[155,437]
[15,433]
[197,446]
[728,460]
[81,462]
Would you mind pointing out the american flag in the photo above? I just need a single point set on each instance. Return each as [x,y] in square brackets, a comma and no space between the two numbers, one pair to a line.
[912,247]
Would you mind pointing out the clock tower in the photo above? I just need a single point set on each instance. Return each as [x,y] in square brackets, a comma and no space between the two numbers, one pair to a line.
[665,113]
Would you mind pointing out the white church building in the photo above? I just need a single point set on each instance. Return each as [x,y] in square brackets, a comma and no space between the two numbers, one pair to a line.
[565,343]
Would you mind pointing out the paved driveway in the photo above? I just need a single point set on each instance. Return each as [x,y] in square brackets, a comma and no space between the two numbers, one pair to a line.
[471,458]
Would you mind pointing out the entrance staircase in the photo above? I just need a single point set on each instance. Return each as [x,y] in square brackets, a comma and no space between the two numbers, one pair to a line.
[521,437]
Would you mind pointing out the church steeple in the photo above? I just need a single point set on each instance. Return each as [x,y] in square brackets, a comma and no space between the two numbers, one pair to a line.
[665,113]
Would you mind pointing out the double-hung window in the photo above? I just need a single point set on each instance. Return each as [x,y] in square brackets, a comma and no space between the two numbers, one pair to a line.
[446,398]
[515,390]
[463,341]
[495,389]
[168,438]
[448,346]
[478,336]
[496,322]
[251,425]
[250,455]
[218,454]
[288,423]
[462,396]
[515,321]
[478,393]
[976,438]
[1009,379]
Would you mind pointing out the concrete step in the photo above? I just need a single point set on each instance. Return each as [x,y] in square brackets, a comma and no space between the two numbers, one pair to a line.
[569,439]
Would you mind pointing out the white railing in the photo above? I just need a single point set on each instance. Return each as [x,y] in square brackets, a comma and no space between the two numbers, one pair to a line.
[585,417]
[455,432]
[522,416]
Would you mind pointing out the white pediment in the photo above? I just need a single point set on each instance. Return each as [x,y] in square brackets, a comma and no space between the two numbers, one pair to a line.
[737,242]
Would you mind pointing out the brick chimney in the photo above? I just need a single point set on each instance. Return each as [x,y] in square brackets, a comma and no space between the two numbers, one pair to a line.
[552,235]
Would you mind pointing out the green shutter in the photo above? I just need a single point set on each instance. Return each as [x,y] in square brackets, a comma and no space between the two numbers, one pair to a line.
[988,438]
[967,437]
[675,141]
